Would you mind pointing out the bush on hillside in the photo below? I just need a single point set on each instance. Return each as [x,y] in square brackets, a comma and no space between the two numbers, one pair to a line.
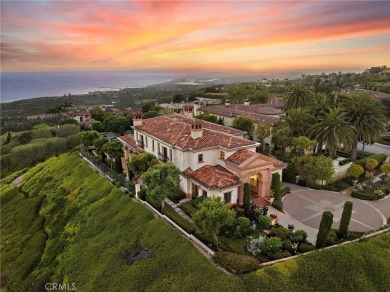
[238,264]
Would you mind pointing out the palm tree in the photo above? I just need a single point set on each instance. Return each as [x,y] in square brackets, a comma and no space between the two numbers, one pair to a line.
[298,95]
[334,130]
[366,114]
[298,120]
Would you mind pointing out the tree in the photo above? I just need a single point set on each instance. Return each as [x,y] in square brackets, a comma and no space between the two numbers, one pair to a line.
[25,137]
[262,131]
[99,144]
[244,123]
[88,137]
[117,124]
[114,149]
[161,180]
[140,163]
[97,126]
[345,219]
[298,120]
[366,114]
[276,186]
[298,95]
[385,168]
[208,117]
[97,114]
[281,136]
[319,168]
[355,170]
[325,226]
[303,145]
[247,195]
[67,130]
[213,214]
[334,131]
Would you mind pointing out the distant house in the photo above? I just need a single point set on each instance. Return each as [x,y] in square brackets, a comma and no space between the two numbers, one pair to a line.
[215,161]
[268,113]
[80,116]
[128,111]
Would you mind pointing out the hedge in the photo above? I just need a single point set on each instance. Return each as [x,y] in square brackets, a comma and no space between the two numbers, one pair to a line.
[370,196]
[179,220]
[188,208]
[237,264]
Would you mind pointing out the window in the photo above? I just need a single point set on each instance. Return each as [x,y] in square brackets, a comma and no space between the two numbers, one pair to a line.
[170,154]
[200,158]
[222,156]
[204,193]
[153,145]
[227,197]
[146,141]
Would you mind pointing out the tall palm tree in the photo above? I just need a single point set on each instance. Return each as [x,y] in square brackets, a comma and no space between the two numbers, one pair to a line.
[298,120]
[334,130]
[366,114]
[298,95]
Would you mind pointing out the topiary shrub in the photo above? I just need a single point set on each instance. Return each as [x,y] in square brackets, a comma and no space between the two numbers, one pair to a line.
[272,245]
[355,170]
[370,163]
[345,219]
[287,245]
[264,222]
[243,225]
[238,264]
[300,236]
[331,239]
[280,232]
[276,186]
[247,195]
[385,168]
[325,226]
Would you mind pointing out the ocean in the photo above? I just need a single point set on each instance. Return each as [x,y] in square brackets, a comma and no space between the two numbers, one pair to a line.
[25,85]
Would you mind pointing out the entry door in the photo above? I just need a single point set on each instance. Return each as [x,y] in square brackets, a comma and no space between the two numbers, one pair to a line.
[195,191]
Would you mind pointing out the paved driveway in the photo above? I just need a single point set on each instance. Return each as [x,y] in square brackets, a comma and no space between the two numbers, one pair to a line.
[307,205]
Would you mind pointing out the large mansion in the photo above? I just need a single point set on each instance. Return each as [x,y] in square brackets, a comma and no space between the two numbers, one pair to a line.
[215,160]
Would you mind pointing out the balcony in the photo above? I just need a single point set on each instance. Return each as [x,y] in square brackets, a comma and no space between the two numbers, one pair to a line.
[140,144]
[163,157]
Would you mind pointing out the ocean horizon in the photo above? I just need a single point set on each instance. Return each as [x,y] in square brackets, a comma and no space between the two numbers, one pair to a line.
[25,85]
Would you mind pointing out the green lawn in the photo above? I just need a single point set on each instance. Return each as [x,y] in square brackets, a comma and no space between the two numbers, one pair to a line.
[68,224]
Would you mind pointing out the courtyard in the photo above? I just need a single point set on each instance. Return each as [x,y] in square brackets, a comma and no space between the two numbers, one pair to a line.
[307,205]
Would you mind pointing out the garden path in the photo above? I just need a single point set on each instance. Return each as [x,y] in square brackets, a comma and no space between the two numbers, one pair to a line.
[178,210]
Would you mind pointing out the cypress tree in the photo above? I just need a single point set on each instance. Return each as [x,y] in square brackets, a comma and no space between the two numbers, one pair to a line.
[276,186]
[247,195]
[345,219]
[325,226]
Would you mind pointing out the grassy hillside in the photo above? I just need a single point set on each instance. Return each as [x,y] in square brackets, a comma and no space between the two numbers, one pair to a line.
[68,224]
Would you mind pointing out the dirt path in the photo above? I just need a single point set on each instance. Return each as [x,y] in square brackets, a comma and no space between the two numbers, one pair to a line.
[17,181]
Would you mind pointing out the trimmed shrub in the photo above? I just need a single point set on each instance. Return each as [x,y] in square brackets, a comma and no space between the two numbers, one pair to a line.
[370,163]
[365,195]
[280,232]
[305,247]
[325,226]
[238,264]
[287,245]
[355,170]
[345,218]
[188,208]
[300,236]
[177,195]
[182,222]
[331,238]
[276,186]
[247,195]
[272,245]
[278,204]
[243,225]
[385,168]
[264,222]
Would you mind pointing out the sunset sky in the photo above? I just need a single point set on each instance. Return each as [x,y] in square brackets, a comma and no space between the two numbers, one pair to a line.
[244,36]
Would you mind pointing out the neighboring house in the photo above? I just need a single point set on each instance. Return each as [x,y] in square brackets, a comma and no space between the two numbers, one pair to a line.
[43,116]
[268,113]
[215,160]
[80,116]
[128,111]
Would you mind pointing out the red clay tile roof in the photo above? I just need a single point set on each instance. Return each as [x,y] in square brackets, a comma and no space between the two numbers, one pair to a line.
[240,156]
[89,122]
[129,140]
[213,177]
[243,155]
[259,112]
[175,129]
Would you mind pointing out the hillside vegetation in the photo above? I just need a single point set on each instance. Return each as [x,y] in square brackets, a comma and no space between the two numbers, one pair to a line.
[66,223]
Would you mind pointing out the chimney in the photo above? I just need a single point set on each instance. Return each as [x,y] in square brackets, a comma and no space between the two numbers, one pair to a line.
[188,110]
[196,107]
[227,102]
[137,119]
[246,101]
[196,129]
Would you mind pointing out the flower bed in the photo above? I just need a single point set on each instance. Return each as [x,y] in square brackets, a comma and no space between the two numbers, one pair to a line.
[372,191]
